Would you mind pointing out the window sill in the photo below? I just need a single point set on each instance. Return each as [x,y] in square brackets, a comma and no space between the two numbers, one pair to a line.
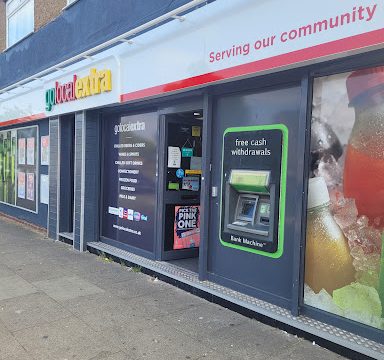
[18,41]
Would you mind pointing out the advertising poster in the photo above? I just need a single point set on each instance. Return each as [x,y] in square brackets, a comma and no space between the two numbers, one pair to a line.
[30,186]
[186,227]
[31,151]
[21,185]
[129,180]
[344,262]
[191,183]
[44,150]
[174,157]
[27,165]
[21,151]
[44,189]
[7,167]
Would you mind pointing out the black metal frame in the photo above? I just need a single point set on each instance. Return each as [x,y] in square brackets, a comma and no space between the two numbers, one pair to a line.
[195,104]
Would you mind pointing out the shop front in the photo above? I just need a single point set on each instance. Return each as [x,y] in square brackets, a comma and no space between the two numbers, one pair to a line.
[243,160]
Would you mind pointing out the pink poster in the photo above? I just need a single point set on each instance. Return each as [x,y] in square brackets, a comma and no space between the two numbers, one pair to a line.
[31,151]
[186,227]
[21,151]
[21,185]
[31,186]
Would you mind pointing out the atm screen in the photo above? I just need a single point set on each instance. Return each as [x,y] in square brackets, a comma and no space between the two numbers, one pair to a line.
[247,209]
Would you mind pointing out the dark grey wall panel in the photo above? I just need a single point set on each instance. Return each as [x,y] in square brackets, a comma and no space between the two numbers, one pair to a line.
[77,227]
[266,278]
[53,177]
[80,27]
[91,178]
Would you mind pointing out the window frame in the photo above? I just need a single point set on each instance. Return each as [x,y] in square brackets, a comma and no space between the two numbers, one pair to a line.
[70,2]
[9,13]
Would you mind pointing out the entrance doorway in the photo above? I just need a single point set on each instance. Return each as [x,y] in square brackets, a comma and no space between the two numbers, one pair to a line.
[66,193]
[182,187]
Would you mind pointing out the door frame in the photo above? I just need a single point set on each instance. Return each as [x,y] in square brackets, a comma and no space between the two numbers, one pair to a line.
[195,104]
[66,212]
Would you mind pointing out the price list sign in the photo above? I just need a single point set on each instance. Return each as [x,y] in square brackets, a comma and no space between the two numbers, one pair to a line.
[129,179]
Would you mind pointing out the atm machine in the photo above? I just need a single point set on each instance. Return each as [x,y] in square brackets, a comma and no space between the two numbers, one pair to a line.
[252,218]
[248,201]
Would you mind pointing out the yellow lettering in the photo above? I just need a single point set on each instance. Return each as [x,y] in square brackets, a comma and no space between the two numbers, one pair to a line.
[94,82]
[105,80]
[86,91]
[79,89]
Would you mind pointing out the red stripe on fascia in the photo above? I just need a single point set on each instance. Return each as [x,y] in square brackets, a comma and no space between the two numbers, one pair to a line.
[22,119]
[314,52]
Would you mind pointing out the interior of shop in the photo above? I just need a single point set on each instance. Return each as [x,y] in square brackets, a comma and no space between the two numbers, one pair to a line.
[182,188]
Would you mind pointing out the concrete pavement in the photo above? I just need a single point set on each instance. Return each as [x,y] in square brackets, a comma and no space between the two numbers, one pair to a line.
[56,303]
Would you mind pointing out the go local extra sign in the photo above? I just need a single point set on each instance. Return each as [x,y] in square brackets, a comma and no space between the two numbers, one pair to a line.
[225,39]
[80,87]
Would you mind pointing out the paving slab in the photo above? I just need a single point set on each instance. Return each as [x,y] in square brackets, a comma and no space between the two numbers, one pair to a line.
[67,287]
[5,271]
[116,356]
[13,286]
[305,350]
[42,271]
[169,301]
[251,340]
[139,286]
[16,259]
[67,338]
[156,340]
[103,273]
[30,310]
[204,320]
[101,311]
[10,349]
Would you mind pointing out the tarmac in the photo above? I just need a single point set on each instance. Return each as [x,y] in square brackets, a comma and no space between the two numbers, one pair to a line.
[60,304]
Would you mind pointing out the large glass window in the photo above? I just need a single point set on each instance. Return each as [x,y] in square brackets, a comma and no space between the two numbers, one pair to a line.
[20,20]
[18,167]
[344,265]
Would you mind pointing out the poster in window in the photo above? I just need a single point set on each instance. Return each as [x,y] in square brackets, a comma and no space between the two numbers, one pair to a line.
[31,151]
[186,227]
[30,186]
[21,151]
[44,150]
[130,180]
[44,189]
[344,260]
[21,185]
[8,145]
[28,167]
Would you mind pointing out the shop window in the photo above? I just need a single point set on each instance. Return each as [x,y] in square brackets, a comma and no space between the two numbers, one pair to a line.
[20,20]
[18,167]
[344,264]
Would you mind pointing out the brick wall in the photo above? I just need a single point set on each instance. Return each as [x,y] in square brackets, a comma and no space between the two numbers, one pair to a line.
[47,10]
[2,25]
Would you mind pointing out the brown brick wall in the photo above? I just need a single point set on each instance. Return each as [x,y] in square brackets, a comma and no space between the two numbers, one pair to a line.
[47,10]
[2,25]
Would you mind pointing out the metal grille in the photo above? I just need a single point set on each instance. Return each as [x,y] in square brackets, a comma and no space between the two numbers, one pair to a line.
[304,323]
